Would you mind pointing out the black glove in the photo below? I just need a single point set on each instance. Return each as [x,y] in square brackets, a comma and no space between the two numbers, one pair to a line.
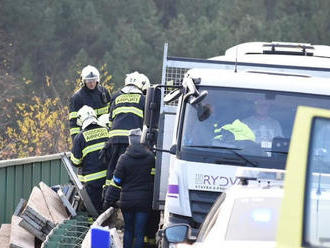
[107,205]
[112,195]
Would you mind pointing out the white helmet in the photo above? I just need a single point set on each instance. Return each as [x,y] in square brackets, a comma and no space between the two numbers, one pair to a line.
[134,79]
[90,73]
[86,116]
[145,82]
[104,120]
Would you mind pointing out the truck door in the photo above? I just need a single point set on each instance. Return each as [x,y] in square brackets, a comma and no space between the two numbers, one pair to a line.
[164,141]
[305,213]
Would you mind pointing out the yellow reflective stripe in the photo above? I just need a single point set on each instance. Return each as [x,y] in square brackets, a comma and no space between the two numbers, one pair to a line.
[74,160]
[93,176]
[150,241]
[128,98]
[107,182]
[112,183]
[132,110]
[153,171]
[73,115]
[118,132]
[74,130]
[103,110]
[94,134]
[92,148]
[110,123]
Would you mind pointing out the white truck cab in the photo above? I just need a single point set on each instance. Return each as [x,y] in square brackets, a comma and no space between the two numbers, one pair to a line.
[214,129]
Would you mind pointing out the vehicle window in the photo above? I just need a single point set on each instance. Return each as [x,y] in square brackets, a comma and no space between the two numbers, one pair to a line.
[254,219]
[255,123]
[317,197]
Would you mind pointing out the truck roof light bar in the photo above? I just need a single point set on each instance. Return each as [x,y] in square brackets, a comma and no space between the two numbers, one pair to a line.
[288,48]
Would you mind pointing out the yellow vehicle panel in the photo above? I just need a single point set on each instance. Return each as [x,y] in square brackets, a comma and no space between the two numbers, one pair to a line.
[291,225]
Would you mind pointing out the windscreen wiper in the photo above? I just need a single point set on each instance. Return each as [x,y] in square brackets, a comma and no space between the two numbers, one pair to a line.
[233,150]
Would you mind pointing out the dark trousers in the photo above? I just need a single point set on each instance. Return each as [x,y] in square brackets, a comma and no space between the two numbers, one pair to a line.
[94,189]
[115,151]
[135,226]
[152,228]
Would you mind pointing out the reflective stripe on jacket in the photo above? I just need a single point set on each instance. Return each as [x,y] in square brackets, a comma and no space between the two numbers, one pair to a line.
[85,153]
[126,113]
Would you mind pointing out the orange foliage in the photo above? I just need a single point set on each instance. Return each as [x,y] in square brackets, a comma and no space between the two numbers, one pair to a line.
[42,129]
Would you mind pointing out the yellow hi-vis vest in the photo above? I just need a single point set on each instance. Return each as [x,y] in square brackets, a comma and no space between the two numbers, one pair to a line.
[240,130]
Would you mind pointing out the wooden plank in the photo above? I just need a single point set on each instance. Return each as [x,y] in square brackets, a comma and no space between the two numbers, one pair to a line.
[20,207]
[38,203]
[54,204]
[19,237]
[5,235]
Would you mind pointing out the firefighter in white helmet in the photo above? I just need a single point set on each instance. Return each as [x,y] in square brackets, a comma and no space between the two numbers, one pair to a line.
[91,94]
[85,154]
[126,113]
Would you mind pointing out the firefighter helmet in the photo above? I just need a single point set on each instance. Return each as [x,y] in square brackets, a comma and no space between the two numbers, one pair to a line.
[134,79]
[90,73]
[86,116]
[104,120]
[145,82]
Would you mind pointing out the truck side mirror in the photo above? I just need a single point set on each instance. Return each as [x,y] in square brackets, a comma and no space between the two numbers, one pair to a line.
[177,233]
[152,107]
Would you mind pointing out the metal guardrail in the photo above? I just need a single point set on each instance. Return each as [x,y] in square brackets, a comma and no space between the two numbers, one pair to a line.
[19,176]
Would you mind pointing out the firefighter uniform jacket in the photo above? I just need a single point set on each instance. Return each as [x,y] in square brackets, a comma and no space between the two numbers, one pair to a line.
[85,153]
[126,113]
[98,99]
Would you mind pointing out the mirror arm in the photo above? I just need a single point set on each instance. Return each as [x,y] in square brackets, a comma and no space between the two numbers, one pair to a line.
[162,150]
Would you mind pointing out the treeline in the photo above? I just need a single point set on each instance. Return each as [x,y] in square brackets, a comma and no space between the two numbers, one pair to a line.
[44,45]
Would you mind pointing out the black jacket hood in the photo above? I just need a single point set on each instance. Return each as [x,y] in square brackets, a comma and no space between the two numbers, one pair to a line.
[138,151]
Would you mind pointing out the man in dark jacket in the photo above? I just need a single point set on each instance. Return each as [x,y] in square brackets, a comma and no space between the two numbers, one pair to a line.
[134,174]
[126,113]
[85,154]
[91,94]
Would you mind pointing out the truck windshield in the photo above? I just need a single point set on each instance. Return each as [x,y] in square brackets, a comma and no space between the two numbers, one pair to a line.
[242,126]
